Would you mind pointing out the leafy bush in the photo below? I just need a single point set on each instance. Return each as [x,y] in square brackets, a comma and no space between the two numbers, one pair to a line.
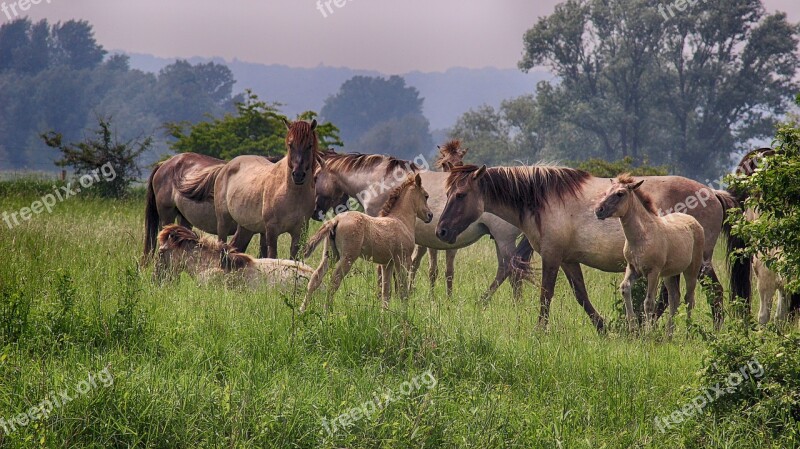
[610,169]
[15,309]
[104,153]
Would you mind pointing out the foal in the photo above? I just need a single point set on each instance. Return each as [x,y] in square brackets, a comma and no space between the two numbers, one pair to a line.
[655,247]
[387,239]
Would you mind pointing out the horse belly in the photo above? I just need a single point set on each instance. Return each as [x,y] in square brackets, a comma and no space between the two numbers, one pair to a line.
[201,215]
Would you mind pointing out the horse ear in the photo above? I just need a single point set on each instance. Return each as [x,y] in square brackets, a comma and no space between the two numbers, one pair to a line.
[418,180]
[464,152]
[287,123]
[313,124]
[479,173]
[637,185]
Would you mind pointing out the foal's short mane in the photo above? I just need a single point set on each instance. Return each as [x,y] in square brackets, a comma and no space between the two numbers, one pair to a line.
[449,151]
[526,188]
[179,237]
[349,162]
[394,196]
[647,201]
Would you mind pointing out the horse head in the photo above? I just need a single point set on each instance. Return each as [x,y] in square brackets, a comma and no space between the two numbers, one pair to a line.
[302,150]
[464,202]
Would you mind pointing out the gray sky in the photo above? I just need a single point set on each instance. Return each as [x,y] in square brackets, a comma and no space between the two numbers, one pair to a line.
[392,36]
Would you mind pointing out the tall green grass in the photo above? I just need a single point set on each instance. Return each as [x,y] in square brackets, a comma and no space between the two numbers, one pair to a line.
[214,367]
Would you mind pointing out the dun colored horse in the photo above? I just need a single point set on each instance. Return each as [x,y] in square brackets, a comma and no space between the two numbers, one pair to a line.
[262,197]
[554,208]
[450,155]
[656,247]
[370,178]
[208,259]
[387,240]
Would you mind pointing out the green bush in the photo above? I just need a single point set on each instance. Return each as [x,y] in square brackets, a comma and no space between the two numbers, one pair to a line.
[610,169]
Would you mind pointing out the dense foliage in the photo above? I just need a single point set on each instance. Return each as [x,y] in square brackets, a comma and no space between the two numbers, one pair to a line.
[380,115]
[256,128]
[684,91]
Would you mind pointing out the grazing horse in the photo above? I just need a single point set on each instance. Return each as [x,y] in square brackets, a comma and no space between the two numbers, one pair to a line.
[369,178]
[206,259]
[767,281]
[387,239]
[450,155]
[554,208]
[656,247]
[262,197]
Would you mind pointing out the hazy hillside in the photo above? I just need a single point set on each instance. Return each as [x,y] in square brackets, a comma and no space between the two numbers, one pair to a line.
[447,95]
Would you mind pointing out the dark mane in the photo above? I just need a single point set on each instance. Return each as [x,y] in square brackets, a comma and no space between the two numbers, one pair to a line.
[450,151]
[349,162]
[646,200]
[749,162]
[179,237]
[526,188]
[391,202]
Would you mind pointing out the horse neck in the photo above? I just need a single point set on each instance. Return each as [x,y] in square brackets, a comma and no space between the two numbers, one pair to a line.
[638,222]
[404,210]
[507,213]
[366,186]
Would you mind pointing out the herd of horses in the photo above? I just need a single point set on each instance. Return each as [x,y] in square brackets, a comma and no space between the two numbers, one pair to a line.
[567,216]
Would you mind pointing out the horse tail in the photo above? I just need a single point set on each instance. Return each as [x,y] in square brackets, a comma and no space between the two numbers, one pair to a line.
[521,260]
[199,186]
[326,232]
[739,266]
[151,218]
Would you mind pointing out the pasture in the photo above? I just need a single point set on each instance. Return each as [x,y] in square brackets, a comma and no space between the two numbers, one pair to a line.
[216,367]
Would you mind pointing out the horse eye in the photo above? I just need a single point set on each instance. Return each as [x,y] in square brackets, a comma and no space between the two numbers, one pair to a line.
[460,196]
[620,194]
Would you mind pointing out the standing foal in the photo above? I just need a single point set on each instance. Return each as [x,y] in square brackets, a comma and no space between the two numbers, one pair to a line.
[655,247]
[387,239]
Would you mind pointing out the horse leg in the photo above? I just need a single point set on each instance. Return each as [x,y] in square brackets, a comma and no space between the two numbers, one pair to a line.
[574,275]
[271,239]
[549,275]
[401,272]
[433,266]
[626,288]
[262,245]
[450,268]
[386,285]
[341,270]
[766,291]
[416,260]
[241,239]
[504,256]
[649,300]
[295,248]
[316,278]
[674,295]
[782,309]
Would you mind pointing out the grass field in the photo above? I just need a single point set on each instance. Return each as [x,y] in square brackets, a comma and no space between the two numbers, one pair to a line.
[210,367]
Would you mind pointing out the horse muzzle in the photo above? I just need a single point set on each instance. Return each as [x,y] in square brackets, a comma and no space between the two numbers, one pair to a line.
[446,235]
[430,218]
[601,213]
[299,178]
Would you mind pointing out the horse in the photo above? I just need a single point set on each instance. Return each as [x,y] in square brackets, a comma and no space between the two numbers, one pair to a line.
[553,208]
[450,155]
[656,247]
[767,281]
[387,240]
[368,178]
[206,259]
[165,201]
[254,195]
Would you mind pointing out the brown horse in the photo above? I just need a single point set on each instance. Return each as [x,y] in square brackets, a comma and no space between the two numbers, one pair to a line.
[656,247]
[386,240]
[450,155]
[370,179]
[166,202]
[554,208]
[262,197]
[206,259]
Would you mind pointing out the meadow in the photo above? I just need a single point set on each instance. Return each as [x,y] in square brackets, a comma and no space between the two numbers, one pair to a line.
[214,367]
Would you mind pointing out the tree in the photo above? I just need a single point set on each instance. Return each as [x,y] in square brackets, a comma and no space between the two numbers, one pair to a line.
[773,190]
[405,137]
[686,92]
[257,128]
[364,102]
[103,153]
[192,93]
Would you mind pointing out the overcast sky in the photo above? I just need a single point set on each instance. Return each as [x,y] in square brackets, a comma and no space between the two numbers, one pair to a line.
[392,36]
